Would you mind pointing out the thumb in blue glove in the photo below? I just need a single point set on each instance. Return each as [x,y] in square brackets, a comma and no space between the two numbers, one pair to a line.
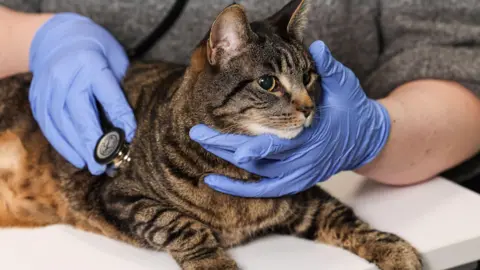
[349,131]
[75,63]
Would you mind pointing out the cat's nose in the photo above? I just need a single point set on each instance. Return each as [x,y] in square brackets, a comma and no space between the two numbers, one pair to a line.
[303,103]
[306,110]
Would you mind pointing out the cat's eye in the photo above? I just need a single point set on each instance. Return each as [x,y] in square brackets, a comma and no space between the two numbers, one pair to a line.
[267,83]
[306,78]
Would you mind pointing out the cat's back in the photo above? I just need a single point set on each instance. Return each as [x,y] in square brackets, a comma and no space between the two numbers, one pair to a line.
[142,80]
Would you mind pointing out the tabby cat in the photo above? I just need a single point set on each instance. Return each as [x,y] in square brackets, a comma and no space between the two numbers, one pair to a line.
[243,78]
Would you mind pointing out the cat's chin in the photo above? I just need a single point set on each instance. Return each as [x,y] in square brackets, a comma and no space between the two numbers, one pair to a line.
[257,129]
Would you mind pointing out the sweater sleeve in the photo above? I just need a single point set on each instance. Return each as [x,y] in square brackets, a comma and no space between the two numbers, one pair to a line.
[427,39]
[24,6]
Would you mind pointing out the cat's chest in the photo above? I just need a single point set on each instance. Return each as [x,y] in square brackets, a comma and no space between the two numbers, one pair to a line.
[231,216]
[169,183]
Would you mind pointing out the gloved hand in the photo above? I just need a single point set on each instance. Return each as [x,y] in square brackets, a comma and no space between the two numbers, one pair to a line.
[349,130]
[75,62]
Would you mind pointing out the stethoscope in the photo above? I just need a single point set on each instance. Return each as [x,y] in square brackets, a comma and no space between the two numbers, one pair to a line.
[112,148]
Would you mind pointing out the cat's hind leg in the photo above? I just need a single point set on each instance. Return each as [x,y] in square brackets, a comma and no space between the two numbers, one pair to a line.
[14,210]
[28,195]
[324,219]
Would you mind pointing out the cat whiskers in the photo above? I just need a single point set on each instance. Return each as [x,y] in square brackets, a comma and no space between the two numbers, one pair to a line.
[288,128]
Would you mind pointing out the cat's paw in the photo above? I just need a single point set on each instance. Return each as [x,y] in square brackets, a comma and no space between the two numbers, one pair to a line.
[397,255]
[218,263]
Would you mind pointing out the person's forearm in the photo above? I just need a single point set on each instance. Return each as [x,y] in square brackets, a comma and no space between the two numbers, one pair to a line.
[16,34]
[435,125]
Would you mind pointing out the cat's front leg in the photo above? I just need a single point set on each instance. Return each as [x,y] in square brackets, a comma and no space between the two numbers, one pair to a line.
[327,220]
[160,227]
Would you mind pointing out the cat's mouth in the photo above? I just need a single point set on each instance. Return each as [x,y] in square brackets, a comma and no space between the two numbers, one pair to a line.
[309,120]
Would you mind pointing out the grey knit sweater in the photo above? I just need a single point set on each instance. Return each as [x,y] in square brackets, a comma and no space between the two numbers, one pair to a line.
[385,42]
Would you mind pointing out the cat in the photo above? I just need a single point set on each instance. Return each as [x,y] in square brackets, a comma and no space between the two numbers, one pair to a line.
[243,78]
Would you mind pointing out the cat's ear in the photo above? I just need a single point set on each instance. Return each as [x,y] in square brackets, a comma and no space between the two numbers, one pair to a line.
[229,35]
[291,20]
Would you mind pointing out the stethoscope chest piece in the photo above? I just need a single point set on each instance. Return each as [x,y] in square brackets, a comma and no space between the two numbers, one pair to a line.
[112,150]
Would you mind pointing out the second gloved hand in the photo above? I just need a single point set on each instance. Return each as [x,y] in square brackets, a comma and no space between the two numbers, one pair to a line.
[349,131]
[74,63]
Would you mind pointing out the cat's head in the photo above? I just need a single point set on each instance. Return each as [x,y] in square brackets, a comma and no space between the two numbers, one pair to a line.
[257,78]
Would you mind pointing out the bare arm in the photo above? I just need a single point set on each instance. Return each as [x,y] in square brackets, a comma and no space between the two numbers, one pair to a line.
[16,34]
[435,125]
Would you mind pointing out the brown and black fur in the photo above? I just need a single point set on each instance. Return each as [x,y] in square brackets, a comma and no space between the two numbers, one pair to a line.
[159,201]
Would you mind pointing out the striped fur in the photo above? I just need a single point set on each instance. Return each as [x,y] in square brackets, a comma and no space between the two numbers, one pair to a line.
[159,201]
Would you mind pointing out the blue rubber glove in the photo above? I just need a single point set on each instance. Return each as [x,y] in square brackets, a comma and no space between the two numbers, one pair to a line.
[349,130]
[75,62]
